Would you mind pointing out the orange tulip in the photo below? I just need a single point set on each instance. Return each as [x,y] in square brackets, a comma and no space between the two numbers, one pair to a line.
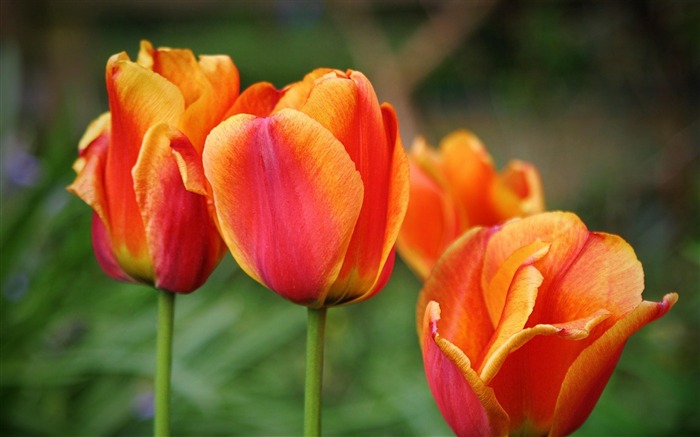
[310,185]
[146,227]
[521,325]
[456,188]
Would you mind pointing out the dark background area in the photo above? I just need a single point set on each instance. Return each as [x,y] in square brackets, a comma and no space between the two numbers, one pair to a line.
[603,97]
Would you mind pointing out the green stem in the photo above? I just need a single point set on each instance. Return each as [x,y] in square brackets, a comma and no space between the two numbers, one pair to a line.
[316,325]
[164,354]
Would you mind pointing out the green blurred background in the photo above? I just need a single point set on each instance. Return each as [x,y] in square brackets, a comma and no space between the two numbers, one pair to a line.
[603,97]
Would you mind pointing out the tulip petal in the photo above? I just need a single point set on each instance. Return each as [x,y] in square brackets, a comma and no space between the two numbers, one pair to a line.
[209,86]
[183,242]
[516,311]
[381,281]
[527,369]
[102,246]
[258,99]
[224,79]
[466,403]
[496,293]
[395,209]
[287,198]
[90,165]
[587,376]
[469,171]
[455,284]
[348,107]
[296,95]
[565,233]
[178,66]
[589,284]
[138,99]
[430,224]
[89,186]
[524,181]
[399,187]
[189,162]
[510,339]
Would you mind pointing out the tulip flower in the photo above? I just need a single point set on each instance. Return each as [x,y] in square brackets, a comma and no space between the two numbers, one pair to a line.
[310,186]
[521,325]
[146,226]
[456,188]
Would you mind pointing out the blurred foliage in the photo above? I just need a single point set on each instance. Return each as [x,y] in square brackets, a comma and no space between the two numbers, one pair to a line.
[601,96]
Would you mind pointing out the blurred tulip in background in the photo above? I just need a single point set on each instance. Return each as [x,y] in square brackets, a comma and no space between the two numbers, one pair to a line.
[455,188]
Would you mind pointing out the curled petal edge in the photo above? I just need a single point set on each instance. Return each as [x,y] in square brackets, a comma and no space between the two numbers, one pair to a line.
[574,330]
[590,367]
[468,405]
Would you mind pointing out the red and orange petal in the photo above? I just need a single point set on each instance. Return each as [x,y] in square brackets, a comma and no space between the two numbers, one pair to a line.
[295,95]
[523,182]
[258,99]
[209,86]
[104,254]
[455,283]
[224,78]
[138,99]
[182,239]
[287,198]
[90,165]
[564,232]
[587,376]
[89,185]
[430,223]
[468,169]
[468,405]
[399,186]
[349,109]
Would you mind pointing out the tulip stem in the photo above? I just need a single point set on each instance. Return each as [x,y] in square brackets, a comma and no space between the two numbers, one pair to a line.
[164,353]
[316,326]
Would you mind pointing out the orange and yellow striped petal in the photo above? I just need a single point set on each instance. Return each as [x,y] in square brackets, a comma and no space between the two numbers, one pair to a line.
[287,198]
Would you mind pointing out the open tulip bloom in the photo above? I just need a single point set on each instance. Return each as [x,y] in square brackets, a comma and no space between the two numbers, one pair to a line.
[521,325]
[147,227]
[310,186]
[456,187]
